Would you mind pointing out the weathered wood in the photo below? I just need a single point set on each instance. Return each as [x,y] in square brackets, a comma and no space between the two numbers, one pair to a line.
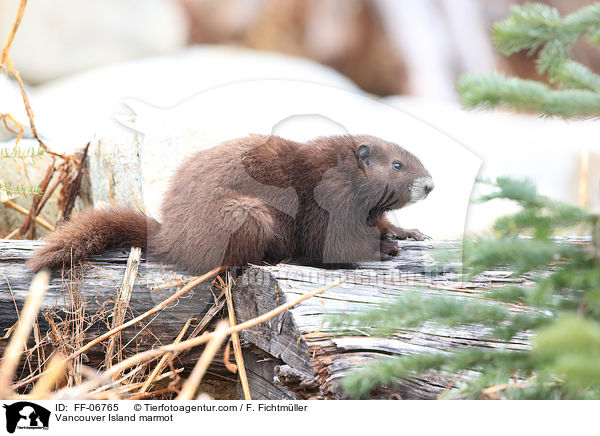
[294,355]
[94,291]
[260,368]
[299,349]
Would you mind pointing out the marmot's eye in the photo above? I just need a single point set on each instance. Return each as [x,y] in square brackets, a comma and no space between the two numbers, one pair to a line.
[397,166]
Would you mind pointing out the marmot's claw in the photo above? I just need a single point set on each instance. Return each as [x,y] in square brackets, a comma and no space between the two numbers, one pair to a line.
[418,236]
[410,233]
[389,249]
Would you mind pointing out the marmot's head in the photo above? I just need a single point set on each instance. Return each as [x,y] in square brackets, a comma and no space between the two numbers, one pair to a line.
[394,177]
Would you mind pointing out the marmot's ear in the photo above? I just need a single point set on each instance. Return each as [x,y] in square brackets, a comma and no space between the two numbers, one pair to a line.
[364,154]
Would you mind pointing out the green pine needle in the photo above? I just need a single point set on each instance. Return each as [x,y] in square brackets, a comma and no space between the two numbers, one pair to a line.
[540,30]
[571,74]
[19,190]
[562,293]
[20,153]
[497,91]
[526,28]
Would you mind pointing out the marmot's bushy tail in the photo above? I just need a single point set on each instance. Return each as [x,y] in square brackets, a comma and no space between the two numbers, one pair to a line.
[93,231]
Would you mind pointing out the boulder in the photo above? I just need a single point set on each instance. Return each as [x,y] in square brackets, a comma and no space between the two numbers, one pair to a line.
[65,36]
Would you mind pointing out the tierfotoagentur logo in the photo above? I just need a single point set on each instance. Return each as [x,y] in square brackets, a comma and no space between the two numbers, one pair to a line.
[24,415]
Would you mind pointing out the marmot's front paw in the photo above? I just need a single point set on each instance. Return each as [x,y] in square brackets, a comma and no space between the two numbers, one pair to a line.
[415,234]
[389,249]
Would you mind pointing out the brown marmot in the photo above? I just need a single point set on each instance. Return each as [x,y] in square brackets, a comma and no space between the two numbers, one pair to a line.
[262,198]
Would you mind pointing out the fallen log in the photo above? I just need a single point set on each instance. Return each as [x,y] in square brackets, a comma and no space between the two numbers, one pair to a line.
[296,356]
[79,306]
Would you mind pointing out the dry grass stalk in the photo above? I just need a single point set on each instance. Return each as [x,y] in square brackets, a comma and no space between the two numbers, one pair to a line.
[173,284]
[11,234]
[93,379]
[230,366]
[5,62]
[121,390]
[117,384]
[207,318]
[235,339]
[159,307]
[54,372]
[154,394]
[41,355]
[122,303]
[9,331]
[190,343]
[18,341]
[146,314]
[133,384]
[98,386]
[28,227]
[74,326]
[12,33]
[163,361]
[41,221]
[5,118]
[190,386]
[47,194]
[71,175]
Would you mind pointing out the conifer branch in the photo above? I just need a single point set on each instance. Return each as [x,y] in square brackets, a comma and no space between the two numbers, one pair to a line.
[562,292]
[20,153]
[571,74]
[540,30]
[563,311]
[497,91]
[19,190]
[533,26]
[359,384]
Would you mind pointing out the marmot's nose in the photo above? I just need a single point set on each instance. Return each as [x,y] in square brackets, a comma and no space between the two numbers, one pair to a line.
[428,187]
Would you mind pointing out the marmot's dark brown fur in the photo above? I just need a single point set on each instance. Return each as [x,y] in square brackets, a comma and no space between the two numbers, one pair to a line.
[263,198]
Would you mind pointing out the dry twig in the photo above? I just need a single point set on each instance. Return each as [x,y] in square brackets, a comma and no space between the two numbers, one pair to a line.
[235,339]
[54,372]
[190,343]
[41,221]
[159,307]
[18,340]
[163,361]
[122,302]
[5,62]
[145,315]
[191,384]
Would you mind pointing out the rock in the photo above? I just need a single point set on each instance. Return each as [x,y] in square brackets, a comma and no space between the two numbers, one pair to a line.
[348,35]
[64,36]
